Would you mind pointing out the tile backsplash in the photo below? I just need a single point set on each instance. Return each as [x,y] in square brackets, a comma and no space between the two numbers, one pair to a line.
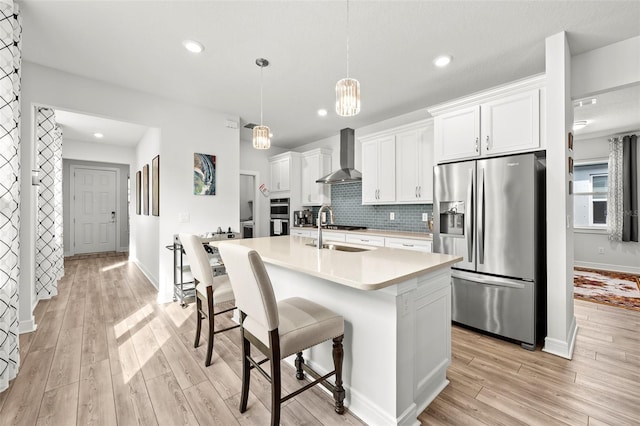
[346,202]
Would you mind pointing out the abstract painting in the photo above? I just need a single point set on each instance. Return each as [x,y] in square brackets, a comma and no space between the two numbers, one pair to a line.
[204,174]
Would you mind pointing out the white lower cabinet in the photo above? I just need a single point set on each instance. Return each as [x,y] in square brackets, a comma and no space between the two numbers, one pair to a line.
[369,240]
[300,232]
[332,236]
[409,244]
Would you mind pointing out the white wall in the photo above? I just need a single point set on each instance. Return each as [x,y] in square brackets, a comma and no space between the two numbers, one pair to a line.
[617,256]
[600,70]
[123,223]
[257,160]
[184,129]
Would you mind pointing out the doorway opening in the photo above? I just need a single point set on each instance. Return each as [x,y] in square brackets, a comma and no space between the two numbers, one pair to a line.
[248,200]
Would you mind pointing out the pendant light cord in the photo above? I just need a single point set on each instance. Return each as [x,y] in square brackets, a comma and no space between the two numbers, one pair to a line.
[261,68]
[347,38]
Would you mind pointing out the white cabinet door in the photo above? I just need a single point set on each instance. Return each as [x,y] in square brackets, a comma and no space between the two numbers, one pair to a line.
[310,172]
[315,164]
[300,232]
[333,236]
[368,240]
[511,124]
[387,170]
[414,166]
[425,162]
[458,134]
[409,244]
[407,166]
[279,174]
[370,172]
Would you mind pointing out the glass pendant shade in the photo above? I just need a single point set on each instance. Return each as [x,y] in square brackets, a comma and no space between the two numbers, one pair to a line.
[261,137]
[348,97]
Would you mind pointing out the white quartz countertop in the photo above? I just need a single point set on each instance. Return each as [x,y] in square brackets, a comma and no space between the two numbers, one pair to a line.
[373,269]
[378,232]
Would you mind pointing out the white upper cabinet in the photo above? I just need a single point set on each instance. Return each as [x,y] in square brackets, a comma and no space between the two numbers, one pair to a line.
[315,164]
[379,170]
[414,164]
[511,123]
[280,173]
[506,119]
[458,134]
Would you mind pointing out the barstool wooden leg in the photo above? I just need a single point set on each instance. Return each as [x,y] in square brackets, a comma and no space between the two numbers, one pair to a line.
[211,322]
[276,384]
[246,368]
[299,363]
[338,356]
[198,322]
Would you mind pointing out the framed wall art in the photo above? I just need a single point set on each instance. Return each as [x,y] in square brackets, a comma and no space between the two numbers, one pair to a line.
[155,186]
[204,174]
[145,189]
[138,192]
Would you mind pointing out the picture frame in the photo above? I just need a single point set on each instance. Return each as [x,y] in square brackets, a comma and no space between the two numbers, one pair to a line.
[155,186]
[145,190]
[570,165]
[570,141]
[570,187]
[204,174]
[138,192]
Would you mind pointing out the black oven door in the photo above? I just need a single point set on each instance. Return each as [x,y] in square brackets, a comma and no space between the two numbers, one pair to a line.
[281,229]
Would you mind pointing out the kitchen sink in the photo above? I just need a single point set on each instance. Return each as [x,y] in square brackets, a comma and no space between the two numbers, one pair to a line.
[339,247]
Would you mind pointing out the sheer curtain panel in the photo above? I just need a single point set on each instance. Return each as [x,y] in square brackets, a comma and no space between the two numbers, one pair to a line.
[49,253]
[10,58]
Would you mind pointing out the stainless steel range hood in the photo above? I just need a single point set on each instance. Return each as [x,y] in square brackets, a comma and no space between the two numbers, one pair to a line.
[347,173]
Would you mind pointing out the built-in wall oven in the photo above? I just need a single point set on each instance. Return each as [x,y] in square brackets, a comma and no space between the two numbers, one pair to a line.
[279,223]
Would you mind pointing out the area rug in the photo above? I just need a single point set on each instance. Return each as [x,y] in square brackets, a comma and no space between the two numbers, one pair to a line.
[611,288]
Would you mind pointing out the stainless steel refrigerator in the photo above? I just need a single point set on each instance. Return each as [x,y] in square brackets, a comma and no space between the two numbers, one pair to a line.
[492,213]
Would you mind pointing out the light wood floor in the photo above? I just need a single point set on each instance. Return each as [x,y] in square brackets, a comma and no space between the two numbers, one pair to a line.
[106,353]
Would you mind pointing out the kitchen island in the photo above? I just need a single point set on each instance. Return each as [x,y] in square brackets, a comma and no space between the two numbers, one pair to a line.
[397,310]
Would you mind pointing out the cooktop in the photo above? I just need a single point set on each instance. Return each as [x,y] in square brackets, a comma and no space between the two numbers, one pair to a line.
[344,227]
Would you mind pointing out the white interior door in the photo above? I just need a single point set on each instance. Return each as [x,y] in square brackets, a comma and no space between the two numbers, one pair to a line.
[95,210]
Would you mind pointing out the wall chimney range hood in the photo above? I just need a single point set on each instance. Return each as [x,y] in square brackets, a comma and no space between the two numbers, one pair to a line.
[347,173]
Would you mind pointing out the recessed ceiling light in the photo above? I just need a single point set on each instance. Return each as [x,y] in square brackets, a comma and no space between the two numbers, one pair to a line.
[322,112]
[442,61]
[580,124]
[193,46]
[98,135]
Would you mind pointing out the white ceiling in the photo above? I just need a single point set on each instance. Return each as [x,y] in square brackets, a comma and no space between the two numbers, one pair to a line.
[617,111]
[138,45]
[81,127]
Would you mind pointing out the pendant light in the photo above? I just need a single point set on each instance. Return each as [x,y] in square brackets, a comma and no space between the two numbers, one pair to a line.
[261,138]
[348,89]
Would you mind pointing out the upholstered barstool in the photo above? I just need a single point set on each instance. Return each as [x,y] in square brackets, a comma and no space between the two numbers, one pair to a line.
[279,329]
[210,290]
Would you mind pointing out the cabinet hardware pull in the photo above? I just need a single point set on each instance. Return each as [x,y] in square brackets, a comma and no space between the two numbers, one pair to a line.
[420,191]
[487,142]
[415,193]
[407,245]
[477,140]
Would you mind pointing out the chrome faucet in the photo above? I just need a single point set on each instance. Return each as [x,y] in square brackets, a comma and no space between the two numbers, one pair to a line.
[319,223]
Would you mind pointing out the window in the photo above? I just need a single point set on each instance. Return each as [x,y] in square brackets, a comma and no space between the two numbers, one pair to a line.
[591,185]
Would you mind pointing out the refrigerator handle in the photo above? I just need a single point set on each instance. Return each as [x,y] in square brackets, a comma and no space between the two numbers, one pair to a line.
[469,220]
[481,218]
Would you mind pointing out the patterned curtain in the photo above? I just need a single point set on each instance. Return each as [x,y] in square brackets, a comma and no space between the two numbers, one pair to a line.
[49,252]
[10,58]
[630,188]
[615,213]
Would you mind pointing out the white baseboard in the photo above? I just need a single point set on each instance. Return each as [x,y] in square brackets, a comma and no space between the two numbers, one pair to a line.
[151,278]
[608,267]
[560,348]
[27,326]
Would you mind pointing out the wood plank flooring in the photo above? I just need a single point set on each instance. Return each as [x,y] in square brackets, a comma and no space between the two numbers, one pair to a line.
[106,353]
